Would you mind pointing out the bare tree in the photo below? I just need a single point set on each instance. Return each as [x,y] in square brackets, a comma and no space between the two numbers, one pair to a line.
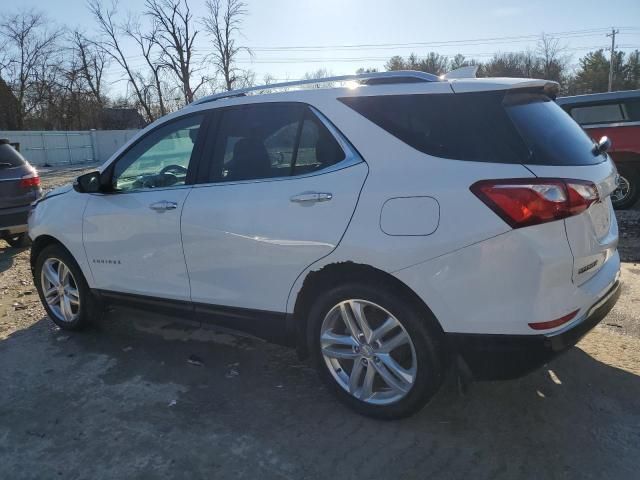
[175,35]
[92,62]
[223,26]
[146,42]
[111,44]
[319,73]
[553,57]
[30,50]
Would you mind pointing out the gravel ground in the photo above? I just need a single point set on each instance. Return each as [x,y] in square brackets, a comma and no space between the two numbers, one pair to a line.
[123,400]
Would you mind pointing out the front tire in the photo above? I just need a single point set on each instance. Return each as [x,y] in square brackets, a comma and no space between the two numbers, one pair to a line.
[63,290]
[378,352]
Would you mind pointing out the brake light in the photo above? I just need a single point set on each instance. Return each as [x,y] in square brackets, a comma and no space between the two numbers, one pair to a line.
[554,323]
[30,181]
[522,202]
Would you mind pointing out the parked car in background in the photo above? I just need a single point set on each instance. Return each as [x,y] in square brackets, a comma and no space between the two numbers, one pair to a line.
[617,116]
[388,228]
[19,188]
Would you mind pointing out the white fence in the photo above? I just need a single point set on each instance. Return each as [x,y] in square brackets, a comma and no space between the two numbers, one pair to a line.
[64,148]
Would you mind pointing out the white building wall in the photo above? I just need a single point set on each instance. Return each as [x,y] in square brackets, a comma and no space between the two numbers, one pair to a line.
[65,148]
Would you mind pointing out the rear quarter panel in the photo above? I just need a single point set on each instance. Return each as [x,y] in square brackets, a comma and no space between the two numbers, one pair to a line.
[398,170]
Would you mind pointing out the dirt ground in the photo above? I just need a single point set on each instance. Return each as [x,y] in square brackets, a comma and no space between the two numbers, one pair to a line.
[122,400]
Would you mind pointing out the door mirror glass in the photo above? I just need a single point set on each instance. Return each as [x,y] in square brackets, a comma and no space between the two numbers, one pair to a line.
[88,183]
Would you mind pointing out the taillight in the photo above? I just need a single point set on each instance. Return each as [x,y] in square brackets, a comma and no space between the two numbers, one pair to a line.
[30,181]
[554,323]
[522,202]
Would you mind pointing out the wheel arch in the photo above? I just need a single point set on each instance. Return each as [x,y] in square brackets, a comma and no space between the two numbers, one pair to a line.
[330,275]
[39,244]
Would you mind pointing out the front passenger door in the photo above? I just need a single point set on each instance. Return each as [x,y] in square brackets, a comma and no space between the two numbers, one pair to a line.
[132,233]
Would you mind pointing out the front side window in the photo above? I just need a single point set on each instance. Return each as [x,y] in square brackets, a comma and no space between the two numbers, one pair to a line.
[159,160]
[271,140]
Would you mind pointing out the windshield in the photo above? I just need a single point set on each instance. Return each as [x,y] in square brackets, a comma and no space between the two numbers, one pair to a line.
[552,136]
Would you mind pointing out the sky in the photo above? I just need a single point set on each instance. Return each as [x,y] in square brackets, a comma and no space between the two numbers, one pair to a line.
[343,35]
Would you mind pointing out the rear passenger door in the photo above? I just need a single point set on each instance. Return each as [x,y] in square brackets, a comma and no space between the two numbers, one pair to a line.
[277,195]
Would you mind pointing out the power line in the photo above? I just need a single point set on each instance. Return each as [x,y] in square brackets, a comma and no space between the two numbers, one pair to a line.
[451,43]
[473,41]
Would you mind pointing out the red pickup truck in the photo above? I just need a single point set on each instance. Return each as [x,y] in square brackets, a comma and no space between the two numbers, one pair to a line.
[616,115]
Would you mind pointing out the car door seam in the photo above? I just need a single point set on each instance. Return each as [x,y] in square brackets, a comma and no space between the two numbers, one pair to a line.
[84,246]
[184,255]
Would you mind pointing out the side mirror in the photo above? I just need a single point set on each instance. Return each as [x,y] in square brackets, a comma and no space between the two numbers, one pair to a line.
[88,183]
[603,146]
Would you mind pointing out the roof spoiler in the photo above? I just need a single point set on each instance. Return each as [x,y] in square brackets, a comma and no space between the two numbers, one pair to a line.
[462,72]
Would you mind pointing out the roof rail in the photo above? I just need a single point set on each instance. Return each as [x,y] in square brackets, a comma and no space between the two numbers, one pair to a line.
[376,78]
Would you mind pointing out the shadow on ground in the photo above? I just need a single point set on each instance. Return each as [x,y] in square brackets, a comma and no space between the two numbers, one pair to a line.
[121,400]
[7,254]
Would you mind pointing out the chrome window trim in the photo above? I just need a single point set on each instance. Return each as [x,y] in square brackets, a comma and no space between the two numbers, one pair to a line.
[142,190]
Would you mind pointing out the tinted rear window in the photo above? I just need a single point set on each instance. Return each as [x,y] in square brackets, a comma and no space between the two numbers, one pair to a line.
[10,157]
[487,127]
[551,136]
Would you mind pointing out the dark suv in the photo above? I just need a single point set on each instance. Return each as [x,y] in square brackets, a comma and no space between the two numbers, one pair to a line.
[19,187]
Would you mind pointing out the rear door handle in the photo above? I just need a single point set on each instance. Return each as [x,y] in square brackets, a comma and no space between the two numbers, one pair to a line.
[163,206]
[311,197]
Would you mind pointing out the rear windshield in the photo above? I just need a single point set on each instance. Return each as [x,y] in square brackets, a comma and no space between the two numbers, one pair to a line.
[10,157]
[486,127]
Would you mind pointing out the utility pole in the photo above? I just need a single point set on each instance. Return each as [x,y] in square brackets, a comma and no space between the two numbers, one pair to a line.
[613,51]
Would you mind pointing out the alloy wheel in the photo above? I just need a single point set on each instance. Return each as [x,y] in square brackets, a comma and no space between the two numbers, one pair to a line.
[368,352]
[623,190]
[60,290]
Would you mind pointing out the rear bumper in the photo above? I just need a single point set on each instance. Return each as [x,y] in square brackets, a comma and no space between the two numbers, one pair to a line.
[14,220]
[494,357]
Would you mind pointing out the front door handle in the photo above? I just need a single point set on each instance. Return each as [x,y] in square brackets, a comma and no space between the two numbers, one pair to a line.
[311,197]
[163,206]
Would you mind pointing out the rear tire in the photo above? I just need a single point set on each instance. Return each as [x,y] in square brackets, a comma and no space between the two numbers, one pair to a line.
[63,290]
[628,192]
[21,240]
[390,382]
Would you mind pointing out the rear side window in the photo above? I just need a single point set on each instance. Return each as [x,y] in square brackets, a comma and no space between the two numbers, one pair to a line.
[632,108]
[597,114]
[494,127]
[271,140]
[317,148]
[457,126]
[10,157]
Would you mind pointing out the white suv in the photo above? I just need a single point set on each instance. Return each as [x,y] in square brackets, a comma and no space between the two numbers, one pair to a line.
[386,228]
